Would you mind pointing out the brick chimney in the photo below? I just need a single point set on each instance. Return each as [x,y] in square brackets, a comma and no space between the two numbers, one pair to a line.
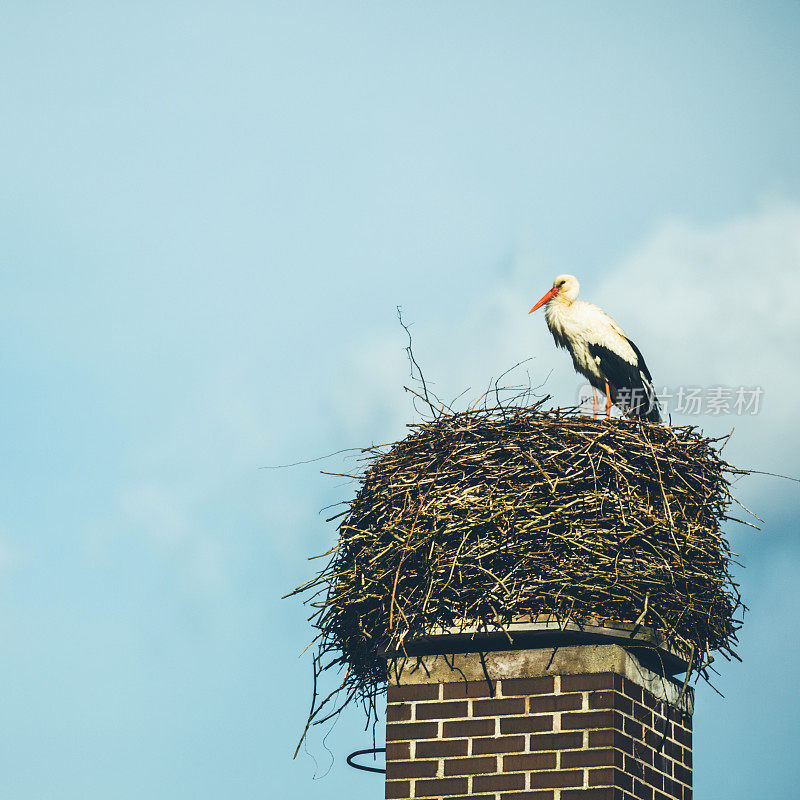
[577,722]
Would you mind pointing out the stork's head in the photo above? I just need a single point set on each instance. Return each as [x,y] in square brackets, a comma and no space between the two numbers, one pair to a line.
[565,289]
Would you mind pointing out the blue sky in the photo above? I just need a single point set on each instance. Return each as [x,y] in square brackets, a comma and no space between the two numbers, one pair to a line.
[208,213]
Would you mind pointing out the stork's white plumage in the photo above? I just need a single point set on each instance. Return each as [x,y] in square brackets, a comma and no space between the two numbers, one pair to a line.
[600,350]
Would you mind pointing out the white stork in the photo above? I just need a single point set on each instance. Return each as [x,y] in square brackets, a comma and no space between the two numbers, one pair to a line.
[600,351]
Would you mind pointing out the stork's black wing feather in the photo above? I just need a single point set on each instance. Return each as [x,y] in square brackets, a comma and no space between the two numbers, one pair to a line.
[640,357]
[630,384]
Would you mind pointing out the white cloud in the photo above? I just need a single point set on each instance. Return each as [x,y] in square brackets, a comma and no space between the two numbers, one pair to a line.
[719,303]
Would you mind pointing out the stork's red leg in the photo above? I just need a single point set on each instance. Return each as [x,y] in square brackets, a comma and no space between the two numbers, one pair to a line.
[608,402]
[596,404]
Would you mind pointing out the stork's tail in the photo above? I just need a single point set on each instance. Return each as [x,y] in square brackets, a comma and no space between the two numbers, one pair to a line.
[647,407]
[639,401]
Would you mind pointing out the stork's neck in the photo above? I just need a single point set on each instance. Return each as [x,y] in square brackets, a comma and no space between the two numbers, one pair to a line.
[558,310]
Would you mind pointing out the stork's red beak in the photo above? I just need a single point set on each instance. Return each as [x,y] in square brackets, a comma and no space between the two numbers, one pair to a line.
[546,299]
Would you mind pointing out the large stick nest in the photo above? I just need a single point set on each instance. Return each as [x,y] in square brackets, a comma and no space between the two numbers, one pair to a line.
[486,516]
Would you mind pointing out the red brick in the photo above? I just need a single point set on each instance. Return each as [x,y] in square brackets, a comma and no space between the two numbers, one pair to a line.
[494,783]
[584,683]
[470,766]
[608,776]
[610,699]
[441,748]
[590,719]
[633,728]
[642,791]
[411,769]
[463,689]
[397,789]
[687,758]
[516,686]
[602,738]
[498,744]
[673,788]
[651,701]
[396,751]
[687,793]
[542,794]
[621,780]
[555,702]
[682,735]
[634,768]
[656,741]
[473,727]
[439,786]
[655,779]
[592,794]
[611,738]
[440,710]
[601,777]
[682,774]
[396,731]
[413,691]
[662,763]
[494,708]
[642,714]
[556,741]
[529,761]
[472,797]
[674,751]
[643,752]
[535,724]
[592,758]
[651,738]
[663,742]
[556,778]
[632,690]
[398,712]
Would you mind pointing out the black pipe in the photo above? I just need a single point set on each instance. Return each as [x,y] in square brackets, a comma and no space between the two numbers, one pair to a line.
[372,750]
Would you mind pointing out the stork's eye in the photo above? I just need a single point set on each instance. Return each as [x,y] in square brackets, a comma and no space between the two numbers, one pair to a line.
[560,284]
